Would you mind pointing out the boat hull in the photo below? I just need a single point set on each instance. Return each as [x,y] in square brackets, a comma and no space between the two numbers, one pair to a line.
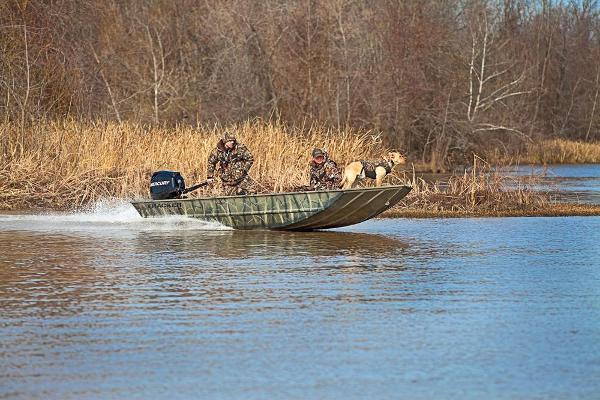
[282,211]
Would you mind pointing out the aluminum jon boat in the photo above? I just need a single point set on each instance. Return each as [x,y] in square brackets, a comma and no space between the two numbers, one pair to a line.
[299,211]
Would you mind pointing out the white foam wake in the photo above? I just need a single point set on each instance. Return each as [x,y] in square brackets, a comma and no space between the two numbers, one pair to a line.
[104,214]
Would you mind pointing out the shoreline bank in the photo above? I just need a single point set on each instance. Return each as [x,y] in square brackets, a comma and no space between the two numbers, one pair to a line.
[550,210]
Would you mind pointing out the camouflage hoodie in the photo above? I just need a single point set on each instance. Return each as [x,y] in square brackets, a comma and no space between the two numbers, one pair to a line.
[233,164]
[325,176]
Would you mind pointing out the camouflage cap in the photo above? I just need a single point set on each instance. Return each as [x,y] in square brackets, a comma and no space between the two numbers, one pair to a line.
[318,153]
[229,136]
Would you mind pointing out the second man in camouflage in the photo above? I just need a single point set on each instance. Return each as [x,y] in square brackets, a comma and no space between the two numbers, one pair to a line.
[324,172]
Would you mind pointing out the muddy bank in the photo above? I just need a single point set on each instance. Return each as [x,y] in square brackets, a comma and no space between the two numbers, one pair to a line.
[548,210]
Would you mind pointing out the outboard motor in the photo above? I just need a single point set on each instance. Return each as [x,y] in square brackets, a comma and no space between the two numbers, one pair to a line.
[166,185]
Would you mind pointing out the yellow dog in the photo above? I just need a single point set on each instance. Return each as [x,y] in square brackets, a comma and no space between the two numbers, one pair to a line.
[371,169]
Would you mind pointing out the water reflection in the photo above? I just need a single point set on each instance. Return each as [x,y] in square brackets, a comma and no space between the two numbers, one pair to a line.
[48,275]
[248,244]
[51,274]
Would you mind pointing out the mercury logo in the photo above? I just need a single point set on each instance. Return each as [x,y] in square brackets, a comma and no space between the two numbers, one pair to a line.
[159,183]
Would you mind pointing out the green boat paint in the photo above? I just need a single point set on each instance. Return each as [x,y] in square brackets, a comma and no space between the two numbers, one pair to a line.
[282,211]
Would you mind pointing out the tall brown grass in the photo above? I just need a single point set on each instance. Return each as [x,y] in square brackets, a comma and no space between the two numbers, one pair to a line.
[557,151]
[65,164]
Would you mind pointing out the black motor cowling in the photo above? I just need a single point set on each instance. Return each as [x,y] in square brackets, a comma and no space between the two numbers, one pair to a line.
[166,185]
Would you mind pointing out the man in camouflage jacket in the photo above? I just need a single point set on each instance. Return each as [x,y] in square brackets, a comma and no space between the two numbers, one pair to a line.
[234,161]
[324,172]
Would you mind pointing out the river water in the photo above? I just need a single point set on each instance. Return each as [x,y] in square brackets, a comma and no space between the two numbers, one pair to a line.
[579,183]
[107,305]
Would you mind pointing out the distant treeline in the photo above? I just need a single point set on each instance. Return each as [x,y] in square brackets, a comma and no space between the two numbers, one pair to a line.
[437,78]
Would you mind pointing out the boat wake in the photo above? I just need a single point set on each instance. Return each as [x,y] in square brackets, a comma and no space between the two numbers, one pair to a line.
[106,214]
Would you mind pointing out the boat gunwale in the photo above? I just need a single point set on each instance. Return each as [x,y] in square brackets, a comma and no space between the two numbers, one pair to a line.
[276,194]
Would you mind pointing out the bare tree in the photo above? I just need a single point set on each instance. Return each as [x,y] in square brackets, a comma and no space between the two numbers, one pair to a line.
[158,66]
[492,78]
[436,78]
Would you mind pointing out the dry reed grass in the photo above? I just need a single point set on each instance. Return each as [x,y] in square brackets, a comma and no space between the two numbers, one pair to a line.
[557,151]
[65,164]
[481,189]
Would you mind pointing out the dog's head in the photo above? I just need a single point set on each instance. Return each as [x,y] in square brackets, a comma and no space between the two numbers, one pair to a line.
[396,157]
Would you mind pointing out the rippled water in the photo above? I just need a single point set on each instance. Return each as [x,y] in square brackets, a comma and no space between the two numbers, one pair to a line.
[107,305]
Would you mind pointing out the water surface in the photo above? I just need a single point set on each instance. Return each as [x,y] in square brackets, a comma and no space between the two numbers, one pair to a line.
[572,182]
[107,305]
